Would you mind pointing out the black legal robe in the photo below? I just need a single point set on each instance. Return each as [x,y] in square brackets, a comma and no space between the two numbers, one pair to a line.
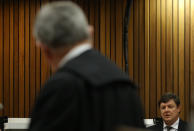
[89,93]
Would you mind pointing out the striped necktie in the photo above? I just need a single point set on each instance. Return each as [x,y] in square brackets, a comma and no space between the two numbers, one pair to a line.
[168,128]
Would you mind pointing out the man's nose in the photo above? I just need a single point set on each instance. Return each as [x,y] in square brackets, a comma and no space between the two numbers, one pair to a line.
[166,109]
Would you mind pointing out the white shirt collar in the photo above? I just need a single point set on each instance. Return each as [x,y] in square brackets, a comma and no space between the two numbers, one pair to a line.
[76,51]
[174,125]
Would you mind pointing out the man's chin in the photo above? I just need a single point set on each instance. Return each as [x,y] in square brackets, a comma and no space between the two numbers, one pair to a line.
[167,120]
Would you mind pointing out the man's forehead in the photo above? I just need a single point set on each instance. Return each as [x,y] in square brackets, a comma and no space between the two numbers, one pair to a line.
[171,101]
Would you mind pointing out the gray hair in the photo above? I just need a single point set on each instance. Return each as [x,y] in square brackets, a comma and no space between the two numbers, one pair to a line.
[61,24]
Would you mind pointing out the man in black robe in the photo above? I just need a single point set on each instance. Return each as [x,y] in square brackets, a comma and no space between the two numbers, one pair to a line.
[87,92]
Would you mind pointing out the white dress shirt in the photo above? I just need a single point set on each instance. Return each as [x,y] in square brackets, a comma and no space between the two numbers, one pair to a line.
[174,126]
[75,52]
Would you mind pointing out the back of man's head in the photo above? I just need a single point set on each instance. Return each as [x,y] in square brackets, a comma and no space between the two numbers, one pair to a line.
[60,24]
[169,96]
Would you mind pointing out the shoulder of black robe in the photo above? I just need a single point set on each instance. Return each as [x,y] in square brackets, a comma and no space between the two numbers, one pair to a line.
[56,106]
[113,91]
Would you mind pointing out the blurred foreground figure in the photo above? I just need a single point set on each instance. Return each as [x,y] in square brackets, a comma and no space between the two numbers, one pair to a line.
[170,109]
[87,92]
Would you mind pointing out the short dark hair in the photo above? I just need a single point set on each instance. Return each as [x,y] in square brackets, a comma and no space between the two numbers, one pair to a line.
[169,96]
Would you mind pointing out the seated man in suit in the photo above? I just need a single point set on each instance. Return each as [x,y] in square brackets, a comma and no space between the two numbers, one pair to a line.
[170,109]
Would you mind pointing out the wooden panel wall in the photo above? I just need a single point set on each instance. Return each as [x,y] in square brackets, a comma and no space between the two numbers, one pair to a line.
[23,68]
[161,47]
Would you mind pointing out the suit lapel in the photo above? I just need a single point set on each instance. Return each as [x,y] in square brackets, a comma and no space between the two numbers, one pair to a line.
[182,125]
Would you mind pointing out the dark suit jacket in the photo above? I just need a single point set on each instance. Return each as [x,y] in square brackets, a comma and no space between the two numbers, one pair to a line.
[159,126]
[89,93]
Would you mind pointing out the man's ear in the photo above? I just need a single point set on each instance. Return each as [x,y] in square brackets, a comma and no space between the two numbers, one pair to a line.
[179,108]
[91,30]
[47,52]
